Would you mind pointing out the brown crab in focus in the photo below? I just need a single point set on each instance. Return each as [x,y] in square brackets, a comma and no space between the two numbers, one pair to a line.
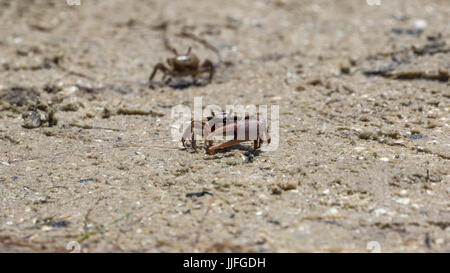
[251,127]
[183,65]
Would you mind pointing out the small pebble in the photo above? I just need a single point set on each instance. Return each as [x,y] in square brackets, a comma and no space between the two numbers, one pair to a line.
[332,211]
[404,201]
[59,224]
[420,24]
[380,211]
[46,228]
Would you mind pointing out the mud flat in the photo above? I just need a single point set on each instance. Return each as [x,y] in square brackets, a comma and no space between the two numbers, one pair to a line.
[364,140]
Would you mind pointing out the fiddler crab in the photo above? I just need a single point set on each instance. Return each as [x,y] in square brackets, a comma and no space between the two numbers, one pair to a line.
[182,66]
[251,127]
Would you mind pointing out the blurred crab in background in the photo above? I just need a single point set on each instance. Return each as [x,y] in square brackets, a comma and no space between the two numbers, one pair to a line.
[181,66]
[250,128]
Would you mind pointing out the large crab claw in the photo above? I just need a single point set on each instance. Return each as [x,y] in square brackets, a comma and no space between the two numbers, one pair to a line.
[247,129]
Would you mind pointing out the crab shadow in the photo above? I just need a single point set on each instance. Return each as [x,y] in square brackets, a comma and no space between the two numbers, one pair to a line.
[250,152]
[180,85]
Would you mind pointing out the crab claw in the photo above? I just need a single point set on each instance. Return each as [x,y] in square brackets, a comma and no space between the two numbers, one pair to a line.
[249,128]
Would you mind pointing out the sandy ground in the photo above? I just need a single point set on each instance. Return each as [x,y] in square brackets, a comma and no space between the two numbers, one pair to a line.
[364,144]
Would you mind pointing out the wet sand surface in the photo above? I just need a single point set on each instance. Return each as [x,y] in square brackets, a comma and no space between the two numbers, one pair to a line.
[364,140]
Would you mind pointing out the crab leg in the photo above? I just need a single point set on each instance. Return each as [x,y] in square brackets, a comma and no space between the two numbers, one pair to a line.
[207,66]
[256,144]
[195,125]
[161,67]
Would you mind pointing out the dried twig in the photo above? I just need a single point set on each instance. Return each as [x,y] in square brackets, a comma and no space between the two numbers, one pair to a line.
[197,236]
[144,146]
[9,106]
[93,127]
[125,111]
[10,241]
[50,133]
[88,234]
[57,62]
